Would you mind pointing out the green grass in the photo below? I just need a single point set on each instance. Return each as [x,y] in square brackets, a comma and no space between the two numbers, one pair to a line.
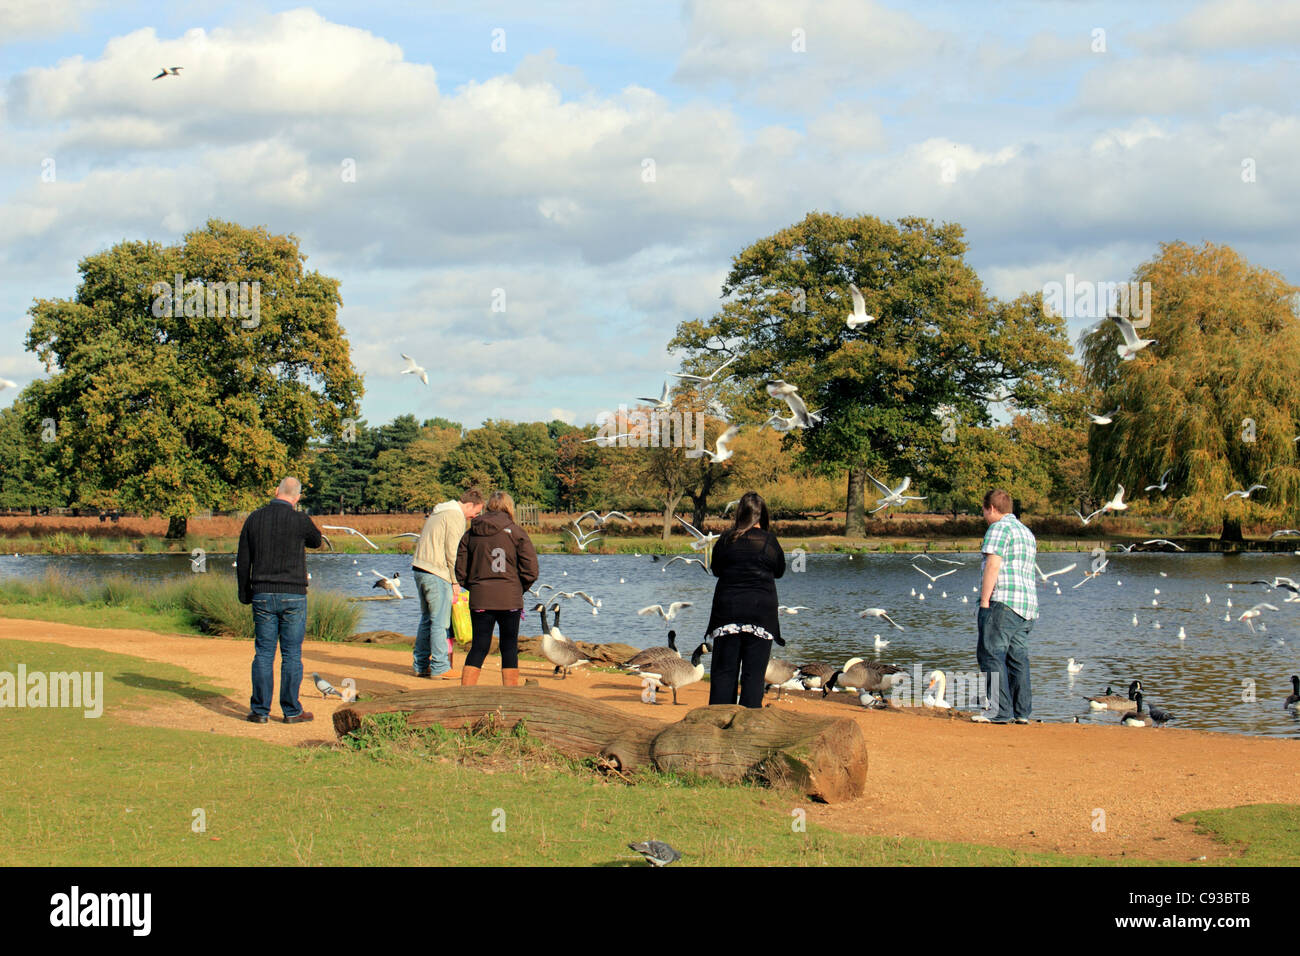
[202,604]
[121,794]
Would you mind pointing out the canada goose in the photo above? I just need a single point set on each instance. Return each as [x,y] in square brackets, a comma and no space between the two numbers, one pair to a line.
[652,654]
[815,675]
[556,648]
[674,672]
[778,672]
[858,674]
[1112,701]
[1293,702]
[391,585]
[1135,718]
[935,691]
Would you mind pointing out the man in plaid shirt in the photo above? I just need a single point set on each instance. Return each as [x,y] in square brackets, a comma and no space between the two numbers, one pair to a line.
[1008,607]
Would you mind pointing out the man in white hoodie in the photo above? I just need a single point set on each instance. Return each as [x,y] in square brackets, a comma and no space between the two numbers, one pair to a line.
[434,564]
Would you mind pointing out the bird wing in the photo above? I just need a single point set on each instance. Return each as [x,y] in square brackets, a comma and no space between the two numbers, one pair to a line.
[689,527]
[652,609]
[722,366]
[1126,329]
[161,75]
[859,303]
[797,406]
[619,514]
[580,517]
[678,605]
[883,490]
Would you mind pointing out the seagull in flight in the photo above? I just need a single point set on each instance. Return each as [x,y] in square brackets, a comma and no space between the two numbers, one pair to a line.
[1285,531]
[1116,503]
[1090,517]
[702,540]
[802,418]
[600,522]
[935,577]
[335,527]
[1048,577]
[1164,541]
[669,614]
[681,557]
[1243,494]
[879,612]
[1254,612]
[701,378]
[413,369]
[5,383]
[858,317]
[583,538]
[661,403]
[1105,418]
[894,496]
[1164,482]
[169,71]
[594,602]
[782,609]
[723,452]
[1132,344]
[604,441]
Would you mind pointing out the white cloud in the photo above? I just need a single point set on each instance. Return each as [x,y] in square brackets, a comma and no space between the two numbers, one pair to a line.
[1234,24]
[26,18]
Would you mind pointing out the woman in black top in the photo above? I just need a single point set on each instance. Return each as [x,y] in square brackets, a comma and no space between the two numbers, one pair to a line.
[747,560]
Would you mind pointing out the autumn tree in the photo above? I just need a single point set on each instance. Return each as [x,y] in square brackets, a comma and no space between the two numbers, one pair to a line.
[938,341]
[1216,398]
[191,376]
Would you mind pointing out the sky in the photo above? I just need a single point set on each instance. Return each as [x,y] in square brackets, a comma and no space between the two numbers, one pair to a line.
[500,152]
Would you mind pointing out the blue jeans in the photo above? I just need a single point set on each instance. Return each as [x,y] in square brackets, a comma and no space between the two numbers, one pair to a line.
[431,652]
[1003,649]
[282,618]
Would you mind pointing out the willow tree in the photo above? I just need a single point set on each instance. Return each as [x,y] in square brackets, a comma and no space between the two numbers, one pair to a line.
[1216,399]
[938,342]
[190,376]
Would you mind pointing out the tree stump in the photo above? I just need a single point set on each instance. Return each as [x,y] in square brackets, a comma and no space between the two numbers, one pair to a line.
[823,757]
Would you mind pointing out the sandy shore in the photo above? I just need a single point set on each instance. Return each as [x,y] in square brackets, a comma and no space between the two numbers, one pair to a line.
[1031,787]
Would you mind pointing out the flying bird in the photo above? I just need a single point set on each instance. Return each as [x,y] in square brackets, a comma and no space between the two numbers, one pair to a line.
[1254,612]
[1105,418]
[1164,541]
[1132,344]
[858,317]
[893,496]
[935,577]
[413,369]
[336,527]
[802,418]
[600,522]
[667,615]
[681,557]
[662,403]
[702,378]
[879,612]
[782,609]
[1244,494]
[1116,503]
[1163,484]
[169,71]
[723,452]
[1049,576]
[702,540]
[583,538]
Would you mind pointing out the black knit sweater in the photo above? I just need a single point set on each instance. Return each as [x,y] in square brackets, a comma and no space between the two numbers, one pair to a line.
[271,557]
[747,567]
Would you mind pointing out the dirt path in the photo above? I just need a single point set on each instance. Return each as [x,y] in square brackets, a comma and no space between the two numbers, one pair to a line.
[1030,787]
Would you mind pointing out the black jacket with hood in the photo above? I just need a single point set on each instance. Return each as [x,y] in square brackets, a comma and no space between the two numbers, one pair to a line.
[496,561]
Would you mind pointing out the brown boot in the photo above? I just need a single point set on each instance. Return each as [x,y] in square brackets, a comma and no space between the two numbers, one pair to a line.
[510,676]
[469,676]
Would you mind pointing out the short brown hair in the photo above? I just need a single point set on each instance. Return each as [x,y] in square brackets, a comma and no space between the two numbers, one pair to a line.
[999,501]
[501,501]
[472,497]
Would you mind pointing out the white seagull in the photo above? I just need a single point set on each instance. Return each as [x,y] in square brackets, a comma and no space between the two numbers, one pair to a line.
[600,522]
[702,541]
[1048,577]
[1254,612]
[1116,503]
[681,557]
[661,403]
[583,538]
[780,389]
[879,612]
[1244,494]
[935,577]
[723,452]
[336,527]
[858,317]
[894,496]
[169,71]
[1132,344]
[1105,418]
[701,378]
[782,609]
[413,369]
[1163,484]
[1073,667]
[1164,541]
[669,614]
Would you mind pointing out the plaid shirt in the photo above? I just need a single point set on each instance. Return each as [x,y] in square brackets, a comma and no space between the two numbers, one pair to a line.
[1015,545]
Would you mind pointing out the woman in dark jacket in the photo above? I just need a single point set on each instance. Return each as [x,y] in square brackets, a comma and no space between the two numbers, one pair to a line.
[747,560]
[496,562]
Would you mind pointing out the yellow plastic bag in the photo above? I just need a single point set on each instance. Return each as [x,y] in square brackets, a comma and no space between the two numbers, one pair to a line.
[460,622]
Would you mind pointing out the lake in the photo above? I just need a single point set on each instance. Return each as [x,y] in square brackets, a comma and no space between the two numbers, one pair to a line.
[1205,679]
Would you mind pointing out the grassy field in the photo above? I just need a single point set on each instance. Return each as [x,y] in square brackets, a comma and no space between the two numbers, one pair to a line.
[115,793]
[194,605]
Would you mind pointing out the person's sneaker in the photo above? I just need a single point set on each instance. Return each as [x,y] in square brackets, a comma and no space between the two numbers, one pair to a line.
[1022,720]
[988,718]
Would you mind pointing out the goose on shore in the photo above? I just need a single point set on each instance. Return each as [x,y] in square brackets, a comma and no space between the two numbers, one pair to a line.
[778,672]
[675,672]
[1112,701]
[652,655]
[864,676]
[1135,718]
[557,648]
[814,676]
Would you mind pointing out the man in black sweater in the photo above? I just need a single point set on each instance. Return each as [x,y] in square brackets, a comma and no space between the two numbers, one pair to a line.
[272,572]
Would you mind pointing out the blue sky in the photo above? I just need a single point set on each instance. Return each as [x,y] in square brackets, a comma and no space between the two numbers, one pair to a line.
[1059,149]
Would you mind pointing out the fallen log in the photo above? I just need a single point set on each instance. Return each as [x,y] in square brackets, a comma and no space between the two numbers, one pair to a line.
[823,757]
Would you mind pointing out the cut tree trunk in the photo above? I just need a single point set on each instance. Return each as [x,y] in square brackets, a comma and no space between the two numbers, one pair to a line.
[855,508]
[1231,532]
[825,758]
[177,526]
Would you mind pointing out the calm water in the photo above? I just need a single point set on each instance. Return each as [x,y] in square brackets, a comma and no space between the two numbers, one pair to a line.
[1201,679]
